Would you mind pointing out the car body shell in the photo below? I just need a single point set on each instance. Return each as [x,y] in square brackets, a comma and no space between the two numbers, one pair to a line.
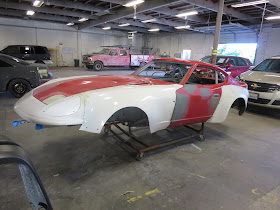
[235,69]
[90,101]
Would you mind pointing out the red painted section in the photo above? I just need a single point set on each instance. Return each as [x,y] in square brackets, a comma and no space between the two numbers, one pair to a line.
[199,108]
[79,85]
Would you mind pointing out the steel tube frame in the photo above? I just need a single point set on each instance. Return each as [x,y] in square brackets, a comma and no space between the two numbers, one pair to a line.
[145,147]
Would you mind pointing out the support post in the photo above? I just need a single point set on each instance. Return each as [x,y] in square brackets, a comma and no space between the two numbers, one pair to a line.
[217,31]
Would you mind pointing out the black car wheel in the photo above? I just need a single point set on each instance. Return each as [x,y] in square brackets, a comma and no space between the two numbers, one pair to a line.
[98,66]
[19,87]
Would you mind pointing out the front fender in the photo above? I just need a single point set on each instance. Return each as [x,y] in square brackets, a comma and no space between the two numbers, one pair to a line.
[157,101]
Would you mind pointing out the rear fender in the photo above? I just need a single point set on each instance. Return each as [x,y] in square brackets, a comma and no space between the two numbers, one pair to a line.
[230,93]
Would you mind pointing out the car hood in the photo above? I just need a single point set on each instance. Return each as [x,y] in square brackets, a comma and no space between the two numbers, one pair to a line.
[260,76]
[72,86]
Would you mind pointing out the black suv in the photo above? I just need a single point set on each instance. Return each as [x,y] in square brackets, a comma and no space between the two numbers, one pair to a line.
[29,53]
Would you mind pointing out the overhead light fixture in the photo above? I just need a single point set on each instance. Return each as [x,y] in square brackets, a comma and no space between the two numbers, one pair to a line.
[124,24]
[106,28]
[273,17]
[182,27]
[38,3]
[187,14]
[133,3]
[83,19]
[132,32]
[153,29]
[149,20]
[70,24]
[250,3]
[30,12]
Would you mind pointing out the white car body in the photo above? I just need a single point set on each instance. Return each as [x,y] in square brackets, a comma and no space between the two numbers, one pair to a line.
[93,108]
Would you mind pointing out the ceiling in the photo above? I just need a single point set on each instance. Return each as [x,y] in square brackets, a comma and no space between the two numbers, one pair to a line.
[112,13]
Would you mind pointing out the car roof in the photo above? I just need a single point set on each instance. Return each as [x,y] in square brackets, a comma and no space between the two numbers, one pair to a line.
[275,57]
[186,61]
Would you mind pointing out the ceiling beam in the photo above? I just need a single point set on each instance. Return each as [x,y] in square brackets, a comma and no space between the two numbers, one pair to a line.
[144,25]
[128,28]
[227,10]
[126,11]
[76,5]
[54,11]
[22,14]
[173,12]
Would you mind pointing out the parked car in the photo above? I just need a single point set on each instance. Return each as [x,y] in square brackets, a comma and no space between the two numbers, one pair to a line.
[18,77]
[115,57]
[29,53]
[264,83]
[232,64]
[163,93]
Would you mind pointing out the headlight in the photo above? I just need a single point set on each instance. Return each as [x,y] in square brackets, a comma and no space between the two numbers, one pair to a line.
[64,107]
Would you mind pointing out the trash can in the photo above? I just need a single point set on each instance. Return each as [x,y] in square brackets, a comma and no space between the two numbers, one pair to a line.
[76,62]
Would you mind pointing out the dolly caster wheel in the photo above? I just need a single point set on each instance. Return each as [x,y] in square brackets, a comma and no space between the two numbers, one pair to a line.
[139,156]
[106,130]
[201,138]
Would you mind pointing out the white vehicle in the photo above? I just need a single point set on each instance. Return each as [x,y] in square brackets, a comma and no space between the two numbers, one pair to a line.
[264,83]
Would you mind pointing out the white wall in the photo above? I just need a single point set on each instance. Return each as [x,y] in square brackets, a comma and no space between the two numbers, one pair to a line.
[199,44]
[51,35]
[268,44]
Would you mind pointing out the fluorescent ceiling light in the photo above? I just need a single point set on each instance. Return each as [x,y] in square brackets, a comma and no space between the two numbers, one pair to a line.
[70,24]
[245,4]
[182,27]
[106,28]
[124,24]
[132,32]
[273,17]
[153,29]
[38,3]
[82,19]
[187,14]
[149,20]
[30,12]
[133,3]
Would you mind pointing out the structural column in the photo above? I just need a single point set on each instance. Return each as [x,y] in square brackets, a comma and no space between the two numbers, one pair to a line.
[217,31]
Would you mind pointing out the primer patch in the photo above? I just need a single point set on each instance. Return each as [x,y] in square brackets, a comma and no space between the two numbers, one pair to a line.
[214,102]
[205,92]
[181,106]
[190,88]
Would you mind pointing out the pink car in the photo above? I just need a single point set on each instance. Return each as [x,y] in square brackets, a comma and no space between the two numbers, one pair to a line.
[233,64]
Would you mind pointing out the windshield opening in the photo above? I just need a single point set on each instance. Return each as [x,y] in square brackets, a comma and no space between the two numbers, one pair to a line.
[219,62]
[166,71]
[104,52]
[269,65]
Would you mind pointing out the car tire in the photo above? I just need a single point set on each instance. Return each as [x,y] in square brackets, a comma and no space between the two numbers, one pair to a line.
[19,87]
[98,66]
[89,67]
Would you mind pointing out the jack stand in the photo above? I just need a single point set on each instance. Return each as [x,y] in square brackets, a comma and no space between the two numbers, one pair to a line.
[132,138]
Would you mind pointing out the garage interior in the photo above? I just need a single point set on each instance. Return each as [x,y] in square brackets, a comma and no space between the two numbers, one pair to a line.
[236,167]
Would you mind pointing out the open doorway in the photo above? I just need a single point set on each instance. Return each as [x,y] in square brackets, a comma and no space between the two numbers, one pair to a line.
[246,50]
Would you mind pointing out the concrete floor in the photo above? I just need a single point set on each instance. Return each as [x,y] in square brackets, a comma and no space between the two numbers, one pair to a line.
[236,168]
